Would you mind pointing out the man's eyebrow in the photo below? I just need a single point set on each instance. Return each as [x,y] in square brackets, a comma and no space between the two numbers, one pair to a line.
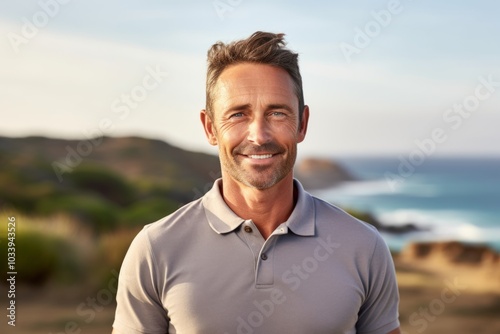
[279,106]
[247,106]
[238,107]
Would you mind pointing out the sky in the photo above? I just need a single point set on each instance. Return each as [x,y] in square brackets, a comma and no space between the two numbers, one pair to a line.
[380,77]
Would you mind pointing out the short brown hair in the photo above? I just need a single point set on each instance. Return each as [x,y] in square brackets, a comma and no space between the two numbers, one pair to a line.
[262,48]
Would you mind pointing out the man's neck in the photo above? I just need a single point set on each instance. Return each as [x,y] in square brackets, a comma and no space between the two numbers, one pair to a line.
[267,208]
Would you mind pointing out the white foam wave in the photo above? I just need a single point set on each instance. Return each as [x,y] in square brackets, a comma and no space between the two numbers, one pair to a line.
[441,225]
[380,187]
[422,217]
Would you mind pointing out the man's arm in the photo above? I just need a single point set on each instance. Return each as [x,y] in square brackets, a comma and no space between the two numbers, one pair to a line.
[139,308]
[380,309]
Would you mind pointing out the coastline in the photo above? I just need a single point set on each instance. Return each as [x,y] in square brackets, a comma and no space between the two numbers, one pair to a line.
[446,199]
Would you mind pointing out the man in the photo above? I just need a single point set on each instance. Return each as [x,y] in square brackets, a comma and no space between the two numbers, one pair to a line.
[257,254]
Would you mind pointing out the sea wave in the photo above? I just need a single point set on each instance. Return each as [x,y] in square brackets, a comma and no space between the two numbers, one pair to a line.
[453,199]
[379,187]
[440,225]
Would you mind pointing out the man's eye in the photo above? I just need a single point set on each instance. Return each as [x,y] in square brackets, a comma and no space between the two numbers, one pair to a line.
[278,113]
[238,114]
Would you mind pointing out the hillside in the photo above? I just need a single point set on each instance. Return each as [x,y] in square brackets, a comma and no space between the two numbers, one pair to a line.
[132,157]
[104,181]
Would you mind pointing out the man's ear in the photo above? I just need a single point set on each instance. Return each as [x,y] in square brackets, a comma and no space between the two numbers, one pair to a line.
[303,125]
[208,126]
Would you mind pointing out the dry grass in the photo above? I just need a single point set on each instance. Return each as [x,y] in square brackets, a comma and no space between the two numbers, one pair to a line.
[429,305]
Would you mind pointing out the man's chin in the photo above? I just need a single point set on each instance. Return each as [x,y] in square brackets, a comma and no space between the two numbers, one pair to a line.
[262,182]
[260,177]
[260,185]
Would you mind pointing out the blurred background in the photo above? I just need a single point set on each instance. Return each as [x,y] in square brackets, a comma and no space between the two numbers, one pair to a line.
[100,135]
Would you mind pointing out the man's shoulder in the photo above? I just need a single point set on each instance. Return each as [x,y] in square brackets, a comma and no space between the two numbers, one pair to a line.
[182,218]
[359,240]
[330,216]
[163,240]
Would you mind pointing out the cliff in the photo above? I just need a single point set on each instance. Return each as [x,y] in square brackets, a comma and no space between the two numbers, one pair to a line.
[317,173]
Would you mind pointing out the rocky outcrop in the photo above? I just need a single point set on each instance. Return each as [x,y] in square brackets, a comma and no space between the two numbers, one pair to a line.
[369,218]
[476,267]
[317,173]
[451,252]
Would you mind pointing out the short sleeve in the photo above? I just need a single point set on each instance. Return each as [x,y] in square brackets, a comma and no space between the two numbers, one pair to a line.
[379,312]
[139,308]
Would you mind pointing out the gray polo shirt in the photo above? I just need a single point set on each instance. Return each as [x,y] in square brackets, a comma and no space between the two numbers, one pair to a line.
[203,269]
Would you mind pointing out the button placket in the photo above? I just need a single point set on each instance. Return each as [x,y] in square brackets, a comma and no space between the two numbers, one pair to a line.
[253,239]
[262,250]
[264,276]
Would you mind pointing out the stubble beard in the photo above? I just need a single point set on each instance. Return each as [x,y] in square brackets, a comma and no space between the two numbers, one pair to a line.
[259,177]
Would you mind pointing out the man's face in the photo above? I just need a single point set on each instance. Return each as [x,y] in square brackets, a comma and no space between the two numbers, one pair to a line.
[255,123]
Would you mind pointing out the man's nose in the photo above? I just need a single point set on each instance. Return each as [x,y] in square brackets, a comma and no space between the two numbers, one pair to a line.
[259,131]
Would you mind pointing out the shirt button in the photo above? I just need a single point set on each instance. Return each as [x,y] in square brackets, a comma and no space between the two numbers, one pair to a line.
[263,257]
[248,229]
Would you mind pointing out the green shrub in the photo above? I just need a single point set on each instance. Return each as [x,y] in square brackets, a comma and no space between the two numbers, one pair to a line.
[102,181]
[95,212]
[148,210]
[110,249]
[40,257]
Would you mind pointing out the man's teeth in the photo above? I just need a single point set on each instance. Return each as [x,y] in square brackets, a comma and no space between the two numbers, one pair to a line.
[262,156]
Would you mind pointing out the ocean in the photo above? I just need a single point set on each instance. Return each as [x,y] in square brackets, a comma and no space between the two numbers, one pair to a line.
[450,198]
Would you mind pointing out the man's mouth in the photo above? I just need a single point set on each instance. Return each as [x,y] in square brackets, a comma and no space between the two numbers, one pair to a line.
[260,156]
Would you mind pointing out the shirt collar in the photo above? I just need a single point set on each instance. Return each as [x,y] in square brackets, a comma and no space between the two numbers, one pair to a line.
[223,220]
[220,217]
[302,219]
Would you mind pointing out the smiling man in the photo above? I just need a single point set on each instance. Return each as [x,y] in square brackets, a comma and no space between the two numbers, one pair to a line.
[257,254]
